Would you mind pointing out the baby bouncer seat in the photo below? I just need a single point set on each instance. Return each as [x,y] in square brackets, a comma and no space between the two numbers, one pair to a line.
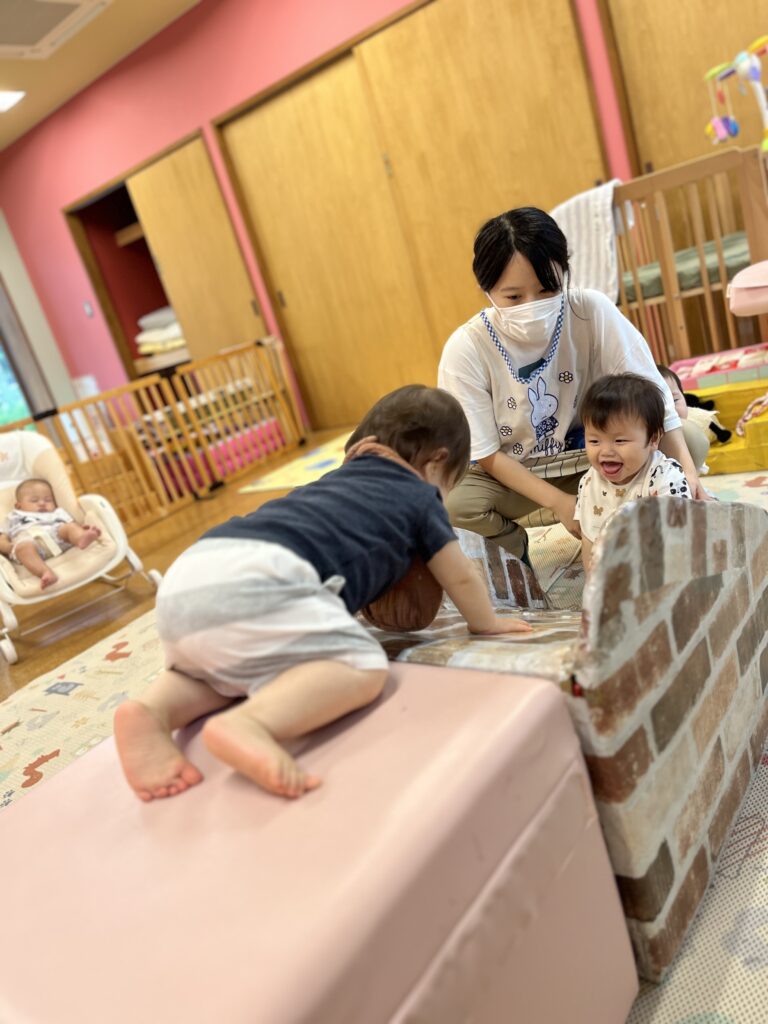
[25,454]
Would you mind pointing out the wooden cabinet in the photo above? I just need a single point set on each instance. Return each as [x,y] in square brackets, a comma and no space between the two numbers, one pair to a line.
[185,222]
[163,237]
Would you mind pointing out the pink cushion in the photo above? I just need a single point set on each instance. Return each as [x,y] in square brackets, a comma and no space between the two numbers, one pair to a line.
[451,863]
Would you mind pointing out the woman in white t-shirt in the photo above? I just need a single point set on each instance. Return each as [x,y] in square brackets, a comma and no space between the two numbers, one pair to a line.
[519,369]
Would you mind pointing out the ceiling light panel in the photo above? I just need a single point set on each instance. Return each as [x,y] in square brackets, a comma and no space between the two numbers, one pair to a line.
[34,29]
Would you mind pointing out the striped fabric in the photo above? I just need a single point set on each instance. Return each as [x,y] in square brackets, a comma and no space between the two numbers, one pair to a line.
[586,220]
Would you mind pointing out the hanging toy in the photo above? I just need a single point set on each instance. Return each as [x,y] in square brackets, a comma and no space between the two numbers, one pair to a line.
[748,69]
[722,126]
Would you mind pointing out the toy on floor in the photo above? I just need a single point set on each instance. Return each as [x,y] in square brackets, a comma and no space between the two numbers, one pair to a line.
[746,65]
[411,604]
[755,408]
[709,423]
[702,412]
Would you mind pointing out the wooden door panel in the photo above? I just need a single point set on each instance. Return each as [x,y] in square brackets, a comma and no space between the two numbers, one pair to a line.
[192,240]
[482,107]
[312,178]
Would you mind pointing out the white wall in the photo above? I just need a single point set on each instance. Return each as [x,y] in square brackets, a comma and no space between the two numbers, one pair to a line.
[32,317]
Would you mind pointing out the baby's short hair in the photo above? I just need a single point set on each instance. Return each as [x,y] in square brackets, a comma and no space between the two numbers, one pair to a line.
[415,421]
[668,375]
[25,484]
[623,394]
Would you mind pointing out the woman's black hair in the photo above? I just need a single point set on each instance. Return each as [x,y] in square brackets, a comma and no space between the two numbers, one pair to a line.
[623,394]
[415,421]
[529,231]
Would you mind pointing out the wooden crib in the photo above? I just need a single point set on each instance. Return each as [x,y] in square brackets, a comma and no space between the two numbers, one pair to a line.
[155,444]
[682,234]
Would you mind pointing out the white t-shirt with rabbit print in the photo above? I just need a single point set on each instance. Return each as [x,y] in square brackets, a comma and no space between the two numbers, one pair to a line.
[531,415]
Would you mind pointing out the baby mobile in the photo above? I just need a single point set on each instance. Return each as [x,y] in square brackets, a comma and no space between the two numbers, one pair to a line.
[747,67]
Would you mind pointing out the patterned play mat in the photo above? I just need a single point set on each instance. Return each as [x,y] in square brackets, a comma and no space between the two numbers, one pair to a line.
[721,974]
[65,713]
[302,470]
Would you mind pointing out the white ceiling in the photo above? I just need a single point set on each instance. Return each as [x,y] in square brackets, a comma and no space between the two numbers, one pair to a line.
[65,51]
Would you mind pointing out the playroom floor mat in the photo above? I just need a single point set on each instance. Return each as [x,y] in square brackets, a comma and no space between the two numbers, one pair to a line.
[65,713]
[302,470]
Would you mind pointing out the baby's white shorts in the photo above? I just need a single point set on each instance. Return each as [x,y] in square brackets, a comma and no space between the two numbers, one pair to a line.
[235,614]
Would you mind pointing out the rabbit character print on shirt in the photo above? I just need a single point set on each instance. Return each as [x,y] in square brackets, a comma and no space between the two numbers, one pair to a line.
[543,408]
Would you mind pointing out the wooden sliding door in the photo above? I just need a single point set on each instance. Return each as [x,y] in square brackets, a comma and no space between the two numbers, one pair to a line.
[311,173]
[188,230]
[482,107]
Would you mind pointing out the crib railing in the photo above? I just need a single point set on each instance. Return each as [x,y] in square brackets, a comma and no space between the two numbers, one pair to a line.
[239,401]
[154,445]
[682,233]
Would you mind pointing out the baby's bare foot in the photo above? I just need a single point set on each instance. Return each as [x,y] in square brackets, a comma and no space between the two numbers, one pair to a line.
[48,577]
[153,764]
[90,534]
[246,746]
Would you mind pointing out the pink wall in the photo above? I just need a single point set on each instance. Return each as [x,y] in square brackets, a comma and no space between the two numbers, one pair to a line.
[216,56]
[212,59]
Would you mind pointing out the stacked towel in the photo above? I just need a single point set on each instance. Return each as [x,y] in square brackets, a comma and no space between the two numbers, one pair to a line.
[586,220]
[160,332]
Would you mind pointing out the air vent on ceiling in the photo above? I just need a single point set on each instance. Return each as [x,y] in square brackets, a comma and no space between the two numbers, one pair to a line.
[34,29]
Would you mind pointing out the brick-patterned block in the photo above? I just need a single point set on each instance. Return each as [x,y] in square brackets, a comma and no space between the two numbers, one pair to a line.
[698,806]
[692,605]
[759,564]
[644,897]
[673,667]
[634,830]
[759,736]
[753,632]
[744,710]
[681,695]
[657,951]
[617,697]
[730,613]
[715,704]
[615,778]
[728,806]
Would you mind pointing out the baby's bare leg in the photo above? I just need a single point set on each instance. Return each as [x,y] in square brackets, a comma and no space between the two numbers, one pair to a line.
[29,557]
[300,700]
[153,764]
[80,536]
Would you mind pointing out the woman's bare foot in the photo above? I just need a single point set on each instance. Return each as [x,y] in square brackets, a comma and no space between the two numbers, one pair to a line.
[153,764]
[89,535]
[245,745]
[48,577]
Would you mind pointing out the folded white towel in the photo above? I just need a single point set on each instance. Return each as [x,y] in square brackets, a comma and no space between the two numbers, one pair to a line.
[161,334]
[157,318]
[586,220]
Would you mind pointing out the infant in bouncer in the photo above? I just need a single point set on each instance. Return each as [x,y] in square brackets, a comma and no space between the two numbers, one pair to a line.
[36,529]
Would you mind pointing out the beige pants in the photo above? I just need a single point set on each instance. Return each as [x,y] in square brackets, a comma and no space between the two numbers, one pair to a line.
[696,442]
[483,505]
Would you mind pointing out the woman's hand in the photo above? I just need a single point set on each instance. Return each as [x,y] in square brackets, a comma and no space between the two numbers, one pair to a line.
[564,507]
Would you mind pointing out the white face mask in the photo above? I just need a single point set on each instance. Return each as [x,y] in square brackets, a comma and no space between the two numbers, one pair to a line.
[532,323]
